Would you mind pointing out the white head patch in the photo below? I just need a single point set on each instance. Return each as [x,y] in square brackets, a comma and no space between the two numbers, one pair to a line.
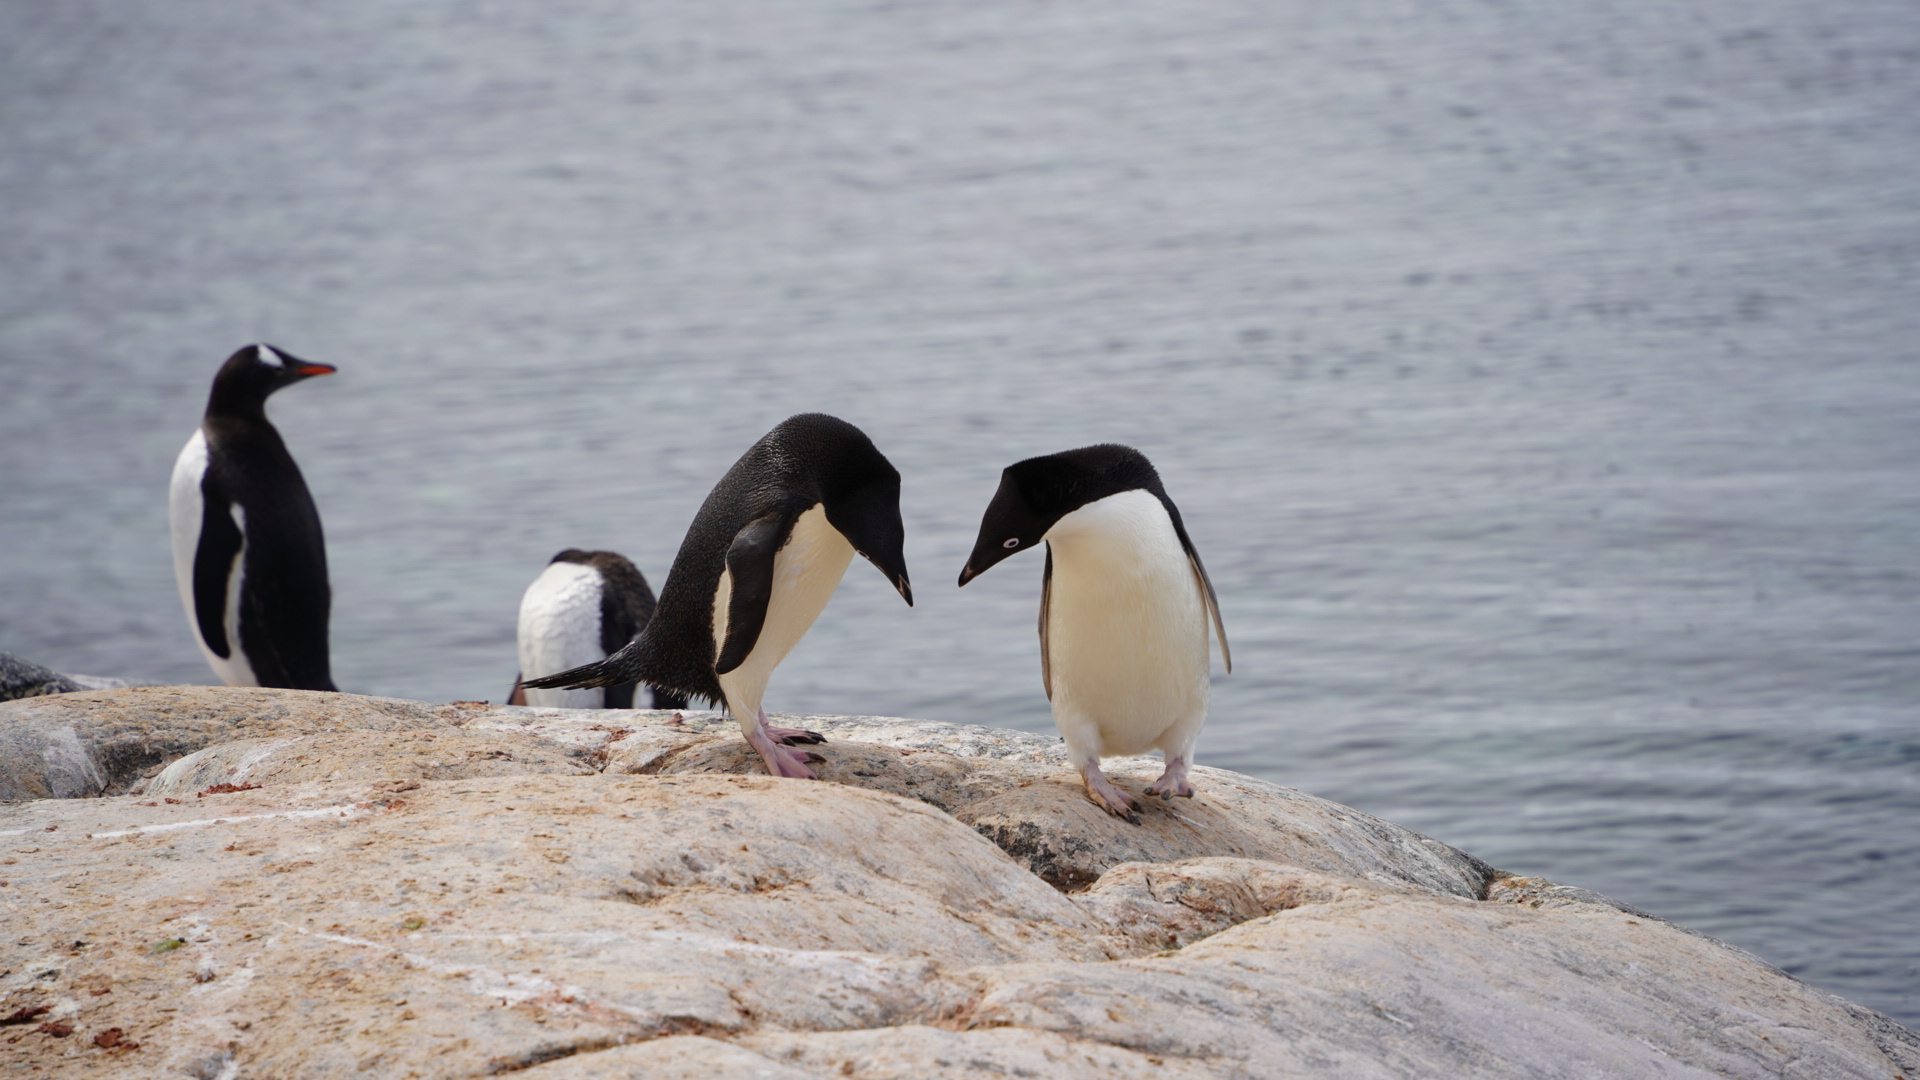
[269,357]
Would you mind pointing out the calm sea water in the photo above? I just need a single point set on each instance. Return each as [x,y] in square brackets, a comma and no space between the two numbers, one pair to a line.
[1539,385]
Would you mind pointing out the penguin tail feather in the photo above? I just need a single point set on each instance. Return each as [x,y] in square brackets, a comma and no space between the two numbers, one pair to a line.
[598,673]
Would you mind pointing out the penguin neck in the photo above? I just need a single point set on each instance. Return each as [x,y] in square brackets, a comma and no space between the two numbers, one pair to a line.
[245,426]
[1123,527]
[236,403]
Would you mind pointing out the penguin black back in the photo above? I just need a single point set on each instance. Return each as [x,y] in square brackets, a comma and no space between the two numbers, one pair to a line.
[285,600]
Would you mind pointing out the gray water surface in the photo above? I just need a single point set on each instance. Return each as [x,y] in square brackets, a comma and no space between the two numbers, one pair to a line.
[1539,385]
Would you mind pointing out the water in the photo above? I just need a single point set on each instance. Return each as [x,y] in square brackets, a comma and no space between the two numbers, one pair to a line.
[1539,385]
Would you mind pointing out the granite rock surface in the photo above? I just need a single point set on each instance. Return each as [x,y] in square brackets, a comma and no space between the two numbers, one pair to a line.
[269,883]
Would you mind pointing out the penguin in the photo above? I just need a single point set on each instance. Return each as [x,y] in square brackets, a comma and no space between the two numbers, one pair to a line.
[248,553]
[756,568]
[1125,605]
[582,608]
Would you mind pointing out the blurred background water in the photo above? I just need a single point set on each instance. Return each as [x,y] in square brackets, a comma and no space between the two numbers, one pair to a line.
[1539,383]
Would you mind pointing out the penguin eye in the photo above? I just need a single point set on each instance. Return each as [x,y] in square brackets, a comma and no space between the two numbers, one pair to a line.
[1012,542]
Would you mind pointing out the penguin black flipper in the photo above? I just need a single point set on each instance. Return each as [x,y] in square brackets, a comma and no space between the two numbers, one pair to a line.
[213,562]
[1213,607]
[750,568]
[1046,602]
[1199,571]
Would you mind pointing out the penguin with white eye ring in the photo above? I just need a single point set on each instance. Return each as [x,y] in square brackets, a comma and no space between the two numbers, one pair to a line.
[1125,609]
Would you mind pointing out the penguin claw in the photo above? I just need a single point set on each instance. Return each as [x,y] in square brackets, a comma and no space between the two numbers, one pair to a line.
[790,736]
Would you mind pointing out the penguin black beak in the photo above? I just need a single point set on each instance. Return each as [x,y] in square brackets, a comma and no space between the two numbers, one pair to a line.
[899,577]
[966,575]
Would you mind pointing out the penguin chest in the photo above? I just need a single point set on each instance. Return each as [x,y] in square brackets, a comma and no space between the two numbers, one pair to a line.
[806,570]
[186,518]
[560,629]
[1126,628]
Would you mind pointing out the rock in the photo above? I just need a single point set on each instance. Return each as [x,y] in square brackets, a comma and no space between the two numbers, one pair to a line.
[464,890]
[1040,814]
[369,755]
[676,1057]
[1022,796]
[24,679]
[103,741]
[89,743]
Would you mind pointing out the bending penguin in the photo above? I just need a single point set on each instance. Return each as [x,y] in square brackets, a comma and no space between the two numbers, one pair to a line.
[1124,609]
[758,565]
[583,608]
[248,554]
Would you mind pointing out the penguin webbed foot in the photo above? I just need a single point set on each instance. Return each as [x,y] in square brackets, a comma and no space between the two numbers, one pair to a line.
[788,736]
[779,759]
[1172,782]
[1106,796]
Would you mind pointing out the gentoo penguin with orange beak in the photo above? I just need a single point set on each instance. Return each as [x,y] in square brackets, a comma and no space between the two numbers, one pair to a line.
[1124,609]
[248,554]
[757,566]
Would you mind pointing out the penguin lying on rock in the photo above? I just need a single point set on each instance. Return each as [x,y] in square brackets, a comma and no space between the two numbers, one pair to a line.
[758,565]
[248,554]
[1124,608]
[583,608]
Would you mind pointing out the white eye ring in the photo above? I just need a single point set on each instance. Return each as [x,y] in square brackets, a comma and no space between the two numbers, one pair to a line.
[1012,542]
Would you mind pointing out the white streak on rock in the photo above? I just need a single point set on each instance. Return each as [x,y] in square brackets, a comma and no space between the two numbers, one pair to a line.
[348,810]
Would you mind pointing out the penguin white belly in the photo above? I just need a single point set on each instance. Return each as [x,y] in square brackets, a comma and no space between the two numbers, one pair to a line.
[806,571]
[560,629]
[186,509]
[1126,630]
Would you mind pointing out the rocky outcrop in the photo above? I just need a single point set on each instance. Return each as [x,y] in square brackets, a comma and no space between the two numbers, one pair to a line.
[24,678]
[301,884]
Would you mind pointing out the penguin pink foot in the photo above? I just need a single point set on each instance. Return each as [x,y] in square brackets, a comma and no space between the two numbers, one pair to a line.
[790,735]
[1106,796]
[780,760]
[1173,781]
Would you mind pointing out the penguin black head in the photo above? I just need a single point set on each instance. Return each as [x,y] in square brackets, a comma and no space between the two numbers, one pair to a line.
[247,378]
[1037,492]
[860,491]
